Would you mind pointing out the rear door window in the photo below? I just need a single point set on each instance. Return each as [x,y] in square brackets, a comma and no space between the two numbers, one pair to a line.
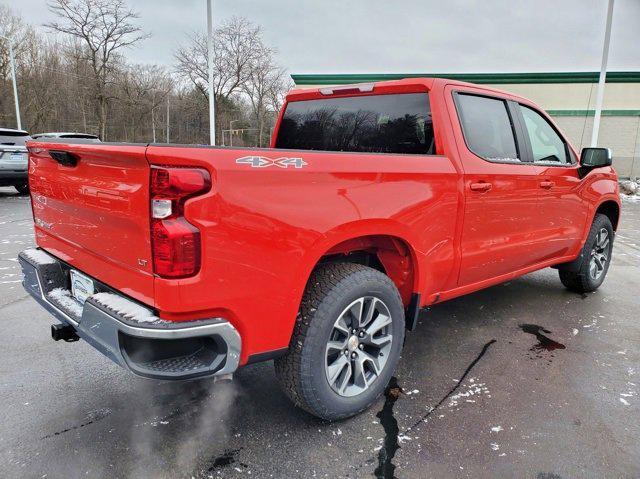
[547,145]
[397,123]
[487,127]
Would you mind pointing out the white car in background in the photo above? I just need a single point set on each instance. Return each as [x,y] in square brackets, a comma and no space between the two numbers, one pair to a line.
[14,159]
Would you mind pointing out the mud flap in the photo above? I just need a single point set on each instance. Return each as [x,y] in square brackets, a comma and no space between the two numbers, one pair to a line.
[412,312]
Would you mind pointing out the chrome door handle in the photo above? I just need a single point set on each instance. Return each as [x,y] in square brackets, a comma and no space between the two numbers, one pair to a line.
[547,184]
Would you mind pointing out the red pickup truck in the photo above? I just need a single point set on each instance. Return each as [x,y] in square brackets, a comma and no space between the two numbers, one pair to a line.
[373,201]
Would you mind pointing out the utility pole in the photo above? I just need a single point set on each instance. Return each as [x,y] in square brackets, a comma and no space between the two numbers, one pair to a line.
[167,137]
[153,118]
[12,61]
[603,77]
[212,100]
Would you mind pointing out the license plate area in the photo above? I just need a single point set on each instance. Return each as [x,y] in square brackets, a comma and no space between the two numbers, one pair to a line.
[81,286]
[17,157]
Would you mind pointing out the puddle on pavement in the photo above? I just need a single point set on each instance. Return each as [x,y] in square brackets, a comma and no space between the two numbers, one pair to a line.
[386,468]
[226,459]
[545,343]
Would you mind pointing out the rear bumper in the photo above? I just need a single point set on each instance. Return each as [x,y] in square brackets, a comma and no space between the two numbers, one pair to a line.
[129,333]
[12,176]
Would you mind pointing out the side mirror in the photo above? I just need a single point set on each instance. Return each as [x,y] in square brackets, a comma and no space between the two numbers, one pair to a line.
[595,157]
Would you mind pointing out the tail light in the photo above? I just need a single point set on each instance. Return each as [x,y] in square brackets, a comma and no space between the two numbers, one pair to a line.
[175,242]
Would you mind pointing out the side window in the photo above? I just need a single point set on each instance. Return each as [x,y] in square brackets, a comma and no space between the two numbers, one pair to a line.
[487,127]
[546,144]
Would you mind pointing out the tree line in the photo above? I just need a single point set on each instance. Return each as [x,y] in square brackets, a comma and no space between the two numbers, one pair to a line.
[73,75]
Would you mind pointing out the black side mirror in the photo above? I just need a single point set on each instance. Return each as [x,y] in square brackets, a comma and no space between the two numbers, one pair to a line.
[595,157]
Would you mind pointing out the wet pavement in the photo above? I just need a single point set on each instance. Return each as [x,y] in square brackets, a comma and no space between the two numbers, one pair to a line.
[520,380]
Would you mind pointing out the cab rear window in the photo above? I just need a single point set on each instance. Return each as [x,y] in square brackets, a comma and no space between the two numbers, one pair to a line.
[398,123]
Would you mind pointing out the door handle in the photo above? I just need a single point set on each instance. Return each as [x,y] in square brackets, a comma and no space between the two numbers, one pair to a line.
[547,184]
[482,186]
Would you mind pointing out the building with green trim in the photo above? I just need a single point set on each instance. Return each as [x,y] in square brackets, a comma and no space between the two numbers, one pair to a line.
[569,97]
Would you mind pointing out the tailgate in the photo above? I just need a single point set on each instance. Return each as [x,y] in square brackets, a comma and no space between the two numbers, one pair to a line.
[91,209]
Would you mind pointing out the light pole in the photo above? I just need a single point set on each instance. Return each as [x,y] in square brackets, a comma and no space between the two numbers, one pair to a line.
[167,137]
[603,76]
[231,131]
[212,106]
[12,61]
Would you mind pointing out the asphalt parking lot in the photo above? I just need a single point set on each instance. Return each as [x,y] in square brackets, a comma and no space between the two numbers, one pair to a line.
[521,380]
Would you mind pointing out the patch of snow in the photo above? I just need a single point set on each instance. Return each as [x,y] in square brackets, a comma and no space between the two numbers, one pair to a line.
[474,389]
[63,298]
[575,331]
[495,446]
[624,401]
[496,429]
[126,308]
[38,256]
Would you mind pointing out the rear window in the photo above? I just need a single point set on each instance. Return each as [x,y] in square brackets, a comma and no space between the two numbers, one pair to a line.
[13,140]
[399,123]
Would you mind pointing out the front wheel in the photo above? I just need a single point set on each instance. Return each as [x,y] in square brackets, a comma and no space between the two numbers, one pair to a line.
[595,258]
[346,342]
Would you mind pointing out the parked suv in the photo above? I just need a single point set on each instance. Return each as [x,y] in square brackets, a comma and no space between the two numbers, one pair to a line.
[374,201]
[14,159]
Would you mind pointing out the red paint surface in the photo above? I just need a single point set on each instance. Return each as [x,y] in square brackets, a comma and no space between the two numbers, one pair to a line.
[263,230]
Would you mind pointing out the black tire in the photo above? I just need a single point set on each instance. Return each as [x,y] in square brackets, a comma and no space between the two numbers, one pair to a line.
[23,188]
[301,372]
[579,278]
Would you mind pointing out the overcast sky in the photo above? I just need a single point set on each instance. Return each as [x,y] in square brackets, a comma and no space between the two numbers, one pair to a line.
[380,36]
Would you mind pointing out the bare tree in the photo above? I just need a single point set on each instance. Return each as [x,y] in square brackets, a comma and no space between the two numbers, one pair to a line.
[263,90]
[143,89]
[57,84]
[104,27]
[237,46]
[13,27]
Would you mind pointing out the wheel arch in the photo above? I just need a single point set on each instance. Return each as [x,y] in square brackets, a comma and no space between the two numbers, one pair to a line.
[391,255]
[611,209]
[381,244]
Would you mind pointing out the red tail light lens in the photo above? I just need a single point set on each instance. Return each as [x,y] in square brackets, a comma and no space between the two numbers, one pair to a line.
[175,242]
[176,183]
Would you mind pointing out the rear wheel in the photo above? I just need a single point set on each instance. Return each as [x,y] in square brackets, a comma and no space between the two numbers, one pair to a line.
[23,188]
[596,257]
[346,342]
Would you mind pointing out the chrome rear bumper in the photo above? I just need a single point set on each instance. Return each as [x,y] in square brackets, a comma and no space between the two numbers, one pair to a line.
[129,333]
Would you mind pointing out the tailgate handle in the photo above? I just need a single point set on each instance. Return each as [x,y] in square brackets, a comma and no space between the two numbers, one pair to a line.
[65,158]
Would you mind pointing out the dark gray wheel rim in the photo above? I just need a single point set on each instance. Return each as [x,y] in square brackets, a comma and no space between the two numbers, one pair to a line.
[359,346]
[599,254]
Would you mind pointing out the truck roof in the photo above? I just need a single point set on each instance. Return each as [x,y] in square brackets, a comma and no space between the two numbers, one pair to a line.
[428,82]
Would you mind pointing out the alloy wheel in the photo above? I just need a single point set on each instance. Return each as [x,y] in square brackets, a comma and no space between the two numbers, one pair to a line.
[359,346]
[599,254]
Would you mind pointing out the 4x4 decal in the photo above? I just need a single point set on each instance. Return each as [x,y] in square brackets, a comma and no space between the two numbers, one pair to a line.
[264,162]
